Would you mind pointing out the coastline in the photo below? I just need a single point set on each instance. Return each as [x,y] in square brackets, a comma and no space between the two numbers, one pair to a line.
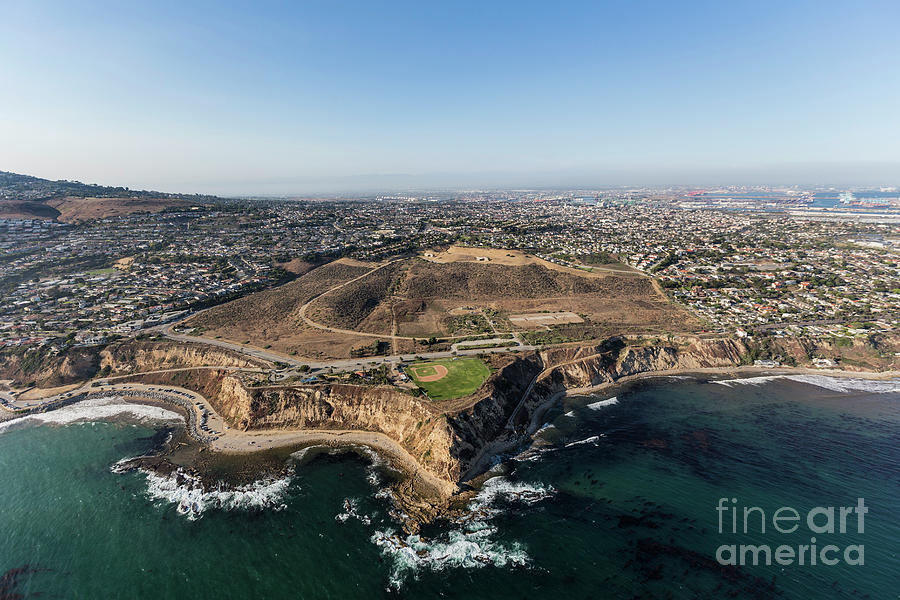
[236,442]
[504,446]
[419,494]
[740,372]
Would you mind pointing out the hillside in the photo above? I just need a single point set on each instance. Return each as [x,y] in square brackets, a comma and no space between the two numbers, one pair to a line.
[271,317]
[492,281]
[416,298]
[28,197]
[347,307]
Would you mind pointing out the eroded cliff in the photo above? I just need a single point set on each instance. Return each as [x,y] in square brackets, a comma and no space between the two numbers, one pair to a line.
[449,439]
[135,356]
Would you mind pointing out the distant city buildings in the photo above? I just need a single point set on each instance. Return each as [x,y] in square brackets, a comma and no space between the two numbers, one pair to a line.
[756,261]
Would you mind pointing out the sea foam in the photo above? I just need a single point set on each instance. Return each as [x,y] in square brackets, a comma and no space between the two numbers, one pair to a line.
[96,409]
[351,511]
[844,385]
[602,403]
[472,545]
[192,499]
[591,440]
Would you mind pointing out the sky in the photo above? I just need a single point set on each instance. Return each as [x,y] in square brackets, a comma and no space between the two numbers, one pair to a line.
[303,97]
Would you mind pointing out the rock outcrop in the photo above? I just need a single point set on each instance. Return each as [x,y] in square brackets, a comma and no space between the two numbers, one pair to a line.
[453,441]
[135,356]
[449,439]
[37,367]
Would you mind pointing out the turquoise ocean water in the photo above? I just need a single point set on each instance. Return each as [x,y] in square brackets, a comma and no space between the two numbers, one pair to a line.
[617,500]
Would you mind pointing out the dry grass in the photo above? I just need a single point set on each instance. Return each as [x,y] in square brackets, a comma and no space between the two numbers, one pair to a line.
[270,317]
[74,209]
[419,298]
[514,258]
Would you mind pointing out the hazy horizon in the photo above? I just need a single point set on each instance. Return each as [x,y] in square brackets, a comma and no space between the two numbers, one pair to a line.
[233,99]
[827,175]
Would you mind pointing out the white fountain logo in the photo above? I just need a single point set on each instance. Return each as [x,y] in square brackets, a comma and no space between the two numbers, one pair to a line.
[786,521]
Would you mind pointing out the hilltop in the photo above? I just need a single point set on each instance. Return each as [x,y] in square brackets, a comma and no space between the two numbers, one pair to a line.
[350,308]
[28,197]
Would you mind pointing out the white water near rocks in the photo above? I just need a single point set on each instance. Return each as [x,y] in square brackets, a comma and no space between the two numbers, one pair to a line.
[96,409]
[841,385]
[472,545]
[591,440]
[192,499]
[603,403]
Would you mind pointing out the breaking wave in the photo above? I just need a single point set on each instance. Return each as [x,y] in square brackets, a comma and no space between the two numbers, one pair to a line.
[601,403]
[844,385]
[192,499]
[351,511]
[501,488]
[748,380]
[96,409]
[545,427]
[473,545]
[591,440]
[469,547]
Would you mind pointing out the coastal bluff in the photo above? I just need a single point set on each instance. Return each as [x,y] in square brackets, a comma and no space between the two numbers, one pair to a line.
[450,440]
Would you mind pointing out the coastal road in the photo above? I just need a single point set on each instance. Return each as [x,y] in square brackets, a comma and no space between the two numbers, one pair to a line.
[457,349]
[338,364]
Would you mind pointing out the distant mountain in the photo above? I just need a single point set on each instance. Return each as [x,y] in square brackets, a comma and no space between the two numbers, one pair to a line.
[28,197]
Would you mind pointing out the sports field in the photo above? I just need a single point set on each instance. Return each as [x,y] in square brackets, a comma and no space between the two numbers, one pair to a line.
[449,378]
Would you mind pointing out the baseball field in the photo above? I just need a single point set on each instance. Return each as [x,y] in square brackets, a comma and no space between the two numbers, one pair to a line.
[449,378]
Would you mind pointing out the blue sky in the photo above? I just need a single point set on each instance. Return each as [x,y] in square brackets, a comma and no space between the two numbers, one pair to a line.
[294,97]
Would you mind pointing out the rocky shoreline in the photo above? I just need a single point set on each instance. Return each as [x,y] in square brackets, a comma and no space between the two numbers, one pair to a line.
[442,449]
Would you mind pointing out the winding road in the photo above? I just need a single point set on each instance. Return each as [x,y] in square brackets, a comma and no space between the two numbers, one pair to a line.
[456,349]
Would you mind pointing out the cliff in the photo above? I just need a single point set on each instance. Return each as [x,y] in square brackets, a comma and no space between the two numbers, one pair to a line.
[33,366]
[448,439]
[43,369]
[500,419]
[136,356]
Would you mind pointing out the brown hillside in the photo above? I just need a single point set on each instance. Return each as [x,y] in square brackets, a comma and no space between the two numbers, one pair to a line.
[492,281]
[76,209]
[416,298]
[348,306]
[271,317]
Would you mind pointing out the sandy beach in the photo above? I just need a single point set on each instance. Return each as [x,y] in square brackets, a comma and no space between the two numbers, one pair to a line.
[243,442]
[232,441]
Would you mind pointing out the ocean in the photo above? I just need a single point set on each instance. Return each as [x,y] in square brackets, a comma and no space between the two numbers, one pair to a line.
[617,499]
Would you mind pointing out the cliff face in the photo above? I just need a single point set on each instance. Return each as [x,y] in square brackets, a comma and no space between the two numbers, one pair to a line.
[416,425]
[135,356]
[876,352]
[489,412]
[605,364]
[45,371]
[448,440]
[502,415]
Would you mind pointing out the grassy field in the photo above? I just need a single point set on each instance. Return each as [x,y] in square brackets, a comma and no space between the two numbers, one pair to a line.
[464,376]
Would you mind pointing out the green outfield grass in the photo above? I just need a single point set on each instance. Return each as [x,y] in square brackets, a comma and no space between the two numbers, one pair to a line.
[464,376]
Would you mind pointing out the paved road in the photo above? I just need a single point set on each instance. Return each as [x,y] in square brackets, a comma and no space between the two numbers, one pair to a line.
[513,342]
[338,364]
[392,336]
